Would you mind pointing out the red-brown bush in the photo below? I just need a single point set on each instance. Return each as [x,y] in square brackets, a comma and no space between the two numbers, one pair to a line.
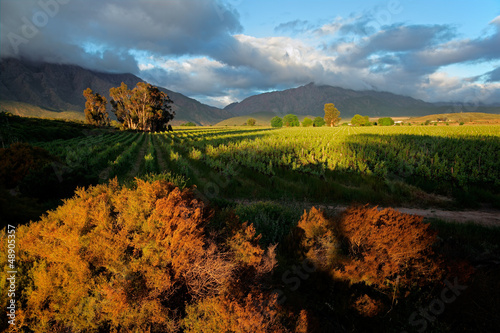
[257,312]
[382,248]
[131,259]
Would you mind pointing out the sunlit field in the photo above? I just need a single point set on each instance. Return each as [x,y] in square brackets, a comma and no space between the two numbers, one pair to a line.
[379,165]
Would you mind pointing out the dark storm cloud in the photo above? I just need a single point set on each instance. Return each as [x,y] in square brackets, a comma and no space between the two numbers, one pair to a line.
[99,34]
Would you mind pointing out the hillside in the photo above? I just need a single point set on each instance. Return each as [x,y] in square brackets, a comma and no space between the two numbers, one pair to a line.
[311,98]
[30,110]
[57,88]
[262,119]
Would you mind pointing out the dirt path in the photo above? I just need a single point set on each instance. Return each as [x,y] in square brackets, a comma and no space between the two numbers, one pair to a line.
[486,217]
[483,217]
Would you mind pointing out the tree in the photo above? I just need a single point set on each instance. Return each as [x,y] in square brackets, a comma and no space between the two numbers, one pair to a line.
[251,121]
[387,121]
[291,120]
[367,121]
[189,123]
[307,122]
[95,108]
[120,100]
[318,122]
[332,115]
[276,122]
[359,120]
[145,107]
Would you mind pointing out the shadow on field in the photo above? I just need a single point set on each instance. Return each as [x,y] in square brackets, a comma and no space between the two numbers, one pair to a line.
[467,168]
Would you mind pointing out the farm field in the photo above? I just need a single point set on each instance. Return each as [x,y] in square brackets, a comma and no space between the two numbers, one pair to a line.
[416,165]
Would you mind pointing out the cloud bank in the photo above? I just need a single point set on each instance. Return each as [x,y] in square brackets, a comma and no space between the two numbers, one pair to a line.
[199,48]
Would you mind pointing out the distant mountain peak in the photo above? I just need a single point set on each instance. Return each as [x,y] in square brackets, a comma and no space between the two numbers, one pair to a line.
[311,98]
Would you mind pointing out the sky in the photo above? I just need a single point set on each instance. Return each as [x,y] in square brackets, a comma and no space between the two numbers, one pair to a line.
[222,51]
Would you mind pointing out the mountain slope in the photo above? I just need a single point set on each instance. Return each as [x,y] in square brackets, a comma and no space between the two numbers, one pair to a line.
[311,98]
[60,88]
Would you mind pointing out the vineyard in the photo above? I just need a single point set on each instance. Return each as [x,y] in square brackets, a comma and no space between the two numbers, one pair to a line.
[364,164]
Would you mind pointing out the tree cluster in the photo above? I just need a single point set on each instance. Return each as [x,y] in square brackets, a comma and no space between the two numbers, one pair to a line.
[144,108]
[307,122]
[251,121]
[276,122]
[318,122]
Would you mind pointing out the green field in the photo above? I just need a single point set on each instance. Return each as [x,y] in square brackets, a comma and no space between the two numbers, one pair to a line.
[389,166]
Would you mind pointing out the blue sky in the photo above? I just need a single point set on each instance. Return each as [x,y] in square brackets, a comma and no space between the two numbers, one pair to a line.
[221,51]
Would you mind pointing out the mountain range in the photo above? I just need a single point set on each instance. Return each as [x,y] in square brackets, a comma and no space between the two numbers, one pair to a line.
[310,99]
[27,87]
[43,89]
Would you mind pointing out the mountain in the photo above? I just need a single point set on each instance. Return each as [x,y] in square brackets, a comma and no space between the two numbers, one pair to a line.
[45,89]
[311,98]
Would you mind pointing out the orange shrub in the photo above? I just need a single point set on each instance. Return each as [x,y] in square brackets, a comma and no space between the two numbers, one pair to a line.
[257,312]
[367,306]
[130,259]
[383,248]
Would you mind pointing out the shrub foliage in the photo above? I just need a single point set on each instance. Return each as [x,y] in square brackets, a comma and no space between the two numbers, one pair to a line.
[385,249]
[120,259]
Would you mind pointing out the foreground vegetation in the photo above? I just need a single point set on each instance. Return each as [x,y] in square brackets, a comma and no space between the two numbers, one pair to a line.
[150,257]
[155,241]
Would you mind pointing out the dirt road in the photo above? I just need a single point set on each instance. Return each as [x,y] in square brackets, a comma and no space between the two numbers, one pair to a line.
[485,217]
